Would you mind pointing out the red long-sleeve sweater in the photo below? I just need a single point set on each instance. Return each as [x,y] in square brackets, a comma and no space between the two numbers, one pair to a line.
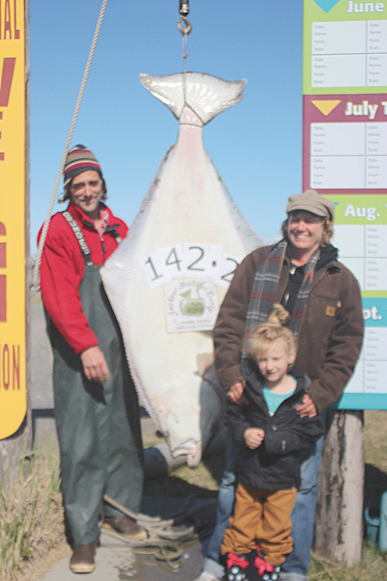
[62,270]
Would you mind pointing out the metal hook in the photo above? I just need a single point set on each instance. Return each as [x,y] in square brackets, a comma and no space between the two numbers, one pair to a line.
[185,31]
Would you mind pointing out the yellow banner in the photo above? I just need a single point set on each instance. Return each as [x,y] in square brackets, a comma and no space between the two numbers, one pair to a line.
[13,400]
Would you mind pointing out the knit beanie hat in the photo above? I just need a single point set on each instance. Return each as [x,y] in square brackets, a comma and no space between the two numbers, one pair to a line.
[79,159]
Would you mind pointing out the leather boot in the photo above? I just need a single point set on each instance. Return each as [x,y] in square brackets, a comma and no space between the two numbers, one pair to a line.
[82,560]
[124,526]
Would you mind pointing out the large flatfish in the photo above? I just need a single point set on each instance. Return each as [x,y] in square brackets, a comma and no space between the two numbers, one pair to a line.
[168,278]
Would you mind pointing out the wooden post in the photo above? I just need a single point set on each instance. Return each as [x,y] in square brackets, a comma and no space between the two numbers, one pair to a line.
[339,506]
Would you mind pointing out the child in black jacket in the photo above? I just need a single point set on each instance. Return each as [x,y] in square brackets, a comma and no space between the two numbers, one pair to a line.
[270,434]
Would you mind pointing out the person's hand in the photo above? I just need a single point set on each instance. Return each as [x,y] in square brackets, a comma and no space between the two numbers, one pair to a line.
[235,393]
[307,408]
[94,365]
[254,437]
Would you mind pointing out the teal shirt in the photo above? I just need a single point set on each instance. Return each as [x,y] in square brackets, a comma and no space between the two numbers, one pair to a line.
[274,400]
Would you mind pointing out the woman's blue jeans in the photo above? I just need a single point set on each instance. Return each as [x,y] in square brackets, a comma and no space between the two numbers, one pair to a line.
[298,561]
[225,506]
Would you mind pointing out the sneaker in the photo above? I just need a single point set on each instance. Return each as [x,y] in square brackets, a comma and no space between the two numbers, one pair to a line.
[124,526]
[236,565]
[206,576]
[266,572]
[82,560]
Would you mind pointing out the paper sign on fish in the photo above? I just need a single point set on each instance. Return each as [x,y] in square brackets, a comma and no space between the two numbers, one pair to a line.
[168,278]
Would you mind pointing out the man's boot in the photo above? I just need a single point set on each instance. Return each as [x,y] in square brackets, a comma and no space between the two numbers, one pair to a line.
[82,560]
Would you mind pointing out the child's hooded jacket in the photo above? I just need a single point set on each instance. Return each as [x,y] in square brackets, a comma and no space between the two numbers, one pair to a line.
[275,464]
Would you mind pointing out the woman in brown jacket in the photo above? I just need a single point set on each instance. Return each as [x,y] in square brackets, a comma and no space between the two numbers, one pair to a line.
[323,298]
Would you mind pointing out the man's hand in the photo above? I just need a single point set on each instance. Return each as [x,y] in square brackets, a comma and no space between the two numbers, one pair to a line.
[307,408]
[94,365]
[235,393]
[254,437]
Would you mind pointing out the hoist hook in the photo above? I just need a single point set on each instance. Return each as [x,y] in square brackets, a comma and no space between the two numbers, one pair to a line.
[185,31]
[184,11]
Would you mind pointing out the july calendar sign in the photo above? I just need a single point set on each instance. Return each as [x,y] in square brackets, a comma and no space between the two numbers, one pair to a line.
[345,159]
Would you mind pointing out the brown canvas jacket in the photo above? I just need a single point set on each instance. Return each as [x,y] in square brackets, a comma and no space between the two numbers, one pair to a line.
[330,335]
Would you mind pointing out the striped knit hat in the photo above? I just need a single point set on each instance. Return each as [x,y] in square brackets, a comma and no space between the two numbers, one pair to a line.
[79,159]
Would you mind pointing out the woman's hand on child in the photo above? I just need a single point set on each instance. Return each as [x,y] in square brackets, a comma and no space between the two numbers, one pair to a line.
[307,408]
[254,437]
[235,393]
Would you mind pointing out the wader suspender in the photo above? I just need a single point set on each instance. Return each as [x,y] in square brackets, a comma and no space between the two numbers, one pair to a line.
[82,242]
[113,230]
[79,236]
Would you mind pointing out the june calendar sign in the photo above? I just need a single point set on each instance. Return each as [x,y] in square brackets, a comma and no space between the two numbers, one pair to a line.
[345,159]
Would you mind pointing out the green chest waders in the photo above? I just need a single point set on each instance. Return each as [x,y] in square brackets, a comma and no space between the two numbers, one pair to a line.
[98,425]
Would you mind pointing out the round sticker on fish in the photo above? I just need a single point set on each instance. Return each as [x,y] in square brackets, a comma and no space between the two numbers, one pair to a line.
[190,305]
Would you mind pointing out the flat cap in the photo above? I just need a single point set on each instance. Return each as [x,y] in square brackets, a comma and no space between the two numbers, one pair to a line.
[311,201]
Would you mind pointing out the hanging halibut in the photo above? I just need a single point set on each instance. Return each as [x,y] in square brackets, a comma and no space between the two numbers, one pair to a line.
[169,276]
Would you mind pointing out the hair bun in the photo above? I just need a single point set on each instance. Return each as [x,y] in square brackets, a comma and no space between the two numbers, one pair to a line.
[278,315]
[264,334]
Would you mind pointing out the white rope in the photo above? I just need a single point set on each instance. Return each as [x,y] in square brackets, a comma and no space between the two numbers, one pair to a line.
[75,114]
[185,54]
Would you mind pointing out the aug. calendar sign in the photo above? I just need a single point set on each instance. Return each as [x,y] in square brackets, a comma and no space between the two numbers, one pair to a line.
[345,159]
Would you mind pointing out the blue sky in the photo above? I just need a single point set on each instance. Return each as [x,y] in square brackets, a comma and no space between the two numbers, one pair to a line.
[255,146]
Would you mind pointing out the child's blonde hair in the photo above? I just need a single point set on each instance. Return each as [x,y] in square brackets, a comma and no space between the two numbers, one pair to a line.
[264,334]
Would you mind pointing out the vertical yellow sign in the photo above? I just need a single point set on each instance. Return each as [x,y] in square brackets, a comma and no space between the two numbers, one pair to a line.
[13,400]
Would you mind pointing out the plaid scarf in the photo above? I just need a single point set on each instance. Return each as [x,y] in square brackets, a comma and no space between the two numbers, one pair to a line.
[262,294]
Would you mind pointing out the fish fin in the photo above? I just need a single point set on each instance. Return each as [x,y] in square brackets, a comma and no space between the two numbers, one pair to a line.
[206,95]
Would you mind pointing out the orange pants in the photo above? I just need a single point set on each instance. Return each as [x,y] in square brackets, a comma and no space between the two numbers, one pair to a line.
[263,517]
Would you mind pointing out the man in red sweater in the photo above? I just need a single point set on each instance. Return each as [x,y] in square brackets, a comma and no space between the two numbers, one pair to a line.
[96,407]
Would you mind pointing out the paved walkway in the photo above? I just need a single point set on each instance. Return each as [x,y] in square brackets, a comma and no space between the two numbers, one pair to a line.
[116,561]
